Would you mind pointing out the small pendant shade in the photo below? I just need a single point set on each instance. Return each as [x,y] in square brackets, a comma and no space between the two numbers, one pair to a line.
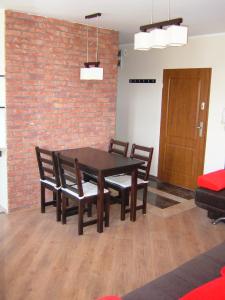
[159,38]
[177,35]
[142,41]
[91,73]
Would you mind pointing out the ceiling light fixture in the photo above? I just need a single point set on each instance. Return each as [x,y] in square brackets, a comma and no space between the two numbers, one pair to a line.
[91,70]
[143,39]
[161,34]
[177,34]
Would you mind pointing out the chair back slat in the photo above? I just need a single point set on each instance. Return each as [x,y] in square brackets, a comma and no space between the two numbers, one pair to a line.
[47,164]
[68,167]
[118,147]
[118,151]
[143,148]
[70,178]
[74,176]
[45,151]
[49,171]
[47,161]
[145,155]
[141,157]
[50,179]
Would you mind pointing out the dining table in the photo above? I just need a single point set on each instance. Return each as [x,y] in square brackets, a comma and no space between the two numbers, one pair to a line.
[102,164]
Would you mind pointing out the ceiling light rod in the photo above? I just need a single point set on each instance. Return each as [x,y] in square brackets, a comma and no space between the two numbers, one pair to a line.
[92,63]
[93,16]
[177,21]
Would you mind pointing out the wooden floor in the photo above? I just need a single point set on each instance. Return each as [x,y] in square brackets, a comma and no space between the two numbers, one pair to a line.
[41,259]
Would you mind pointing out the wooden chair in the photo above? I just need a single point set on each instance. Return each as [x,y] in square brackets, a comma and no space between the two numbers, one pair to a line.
[49,179]
[115,146]
[83,193]
[122,183]
[118,147]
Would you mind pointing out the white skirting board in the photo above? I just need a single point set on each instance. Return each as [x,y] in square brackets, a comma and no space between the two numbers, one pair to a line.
[2,210]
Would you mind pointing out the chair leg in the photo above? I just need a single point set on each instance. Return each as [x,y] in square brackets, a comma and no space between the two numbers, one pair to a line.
[89,212]
[127,202]
[80,217]
[145,192]
[58,206]
[55,199]
[123,198]
[107,208]
[64,209]
[42,199]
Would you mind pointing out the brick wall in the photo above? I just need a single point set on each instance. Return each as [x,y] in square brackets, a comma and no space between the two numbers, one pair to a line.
[47,104]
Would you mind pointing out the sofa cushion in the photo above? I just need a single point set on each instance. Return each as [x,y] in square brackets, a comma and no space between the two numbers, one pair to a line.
[214,289]
[213,181]
[210,199]
[190,275]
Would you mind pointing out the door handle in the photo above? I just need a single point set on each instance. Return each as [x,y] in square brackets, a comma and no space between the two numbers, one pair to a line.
[200,127]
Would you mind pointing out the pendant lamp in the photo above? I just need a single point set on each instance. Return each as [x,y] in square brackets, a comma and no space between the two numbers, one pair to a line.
[161,34]
[91,70]
[91,73]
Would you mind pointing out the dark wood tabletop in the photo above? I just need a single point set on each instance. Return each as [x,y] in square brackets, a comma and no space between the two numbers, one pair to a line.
[95,160]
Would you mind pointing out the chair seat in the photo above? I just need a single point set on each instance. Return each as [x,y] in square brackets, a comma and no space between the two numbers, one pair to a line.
[123,181]
[89,190]
[50,183]
[54,185]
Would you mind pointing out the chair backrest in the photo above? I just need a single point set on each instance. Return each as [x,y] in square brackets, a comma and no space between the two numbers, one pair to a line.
[48,166]
[142,153]
[70,174]
[118,147]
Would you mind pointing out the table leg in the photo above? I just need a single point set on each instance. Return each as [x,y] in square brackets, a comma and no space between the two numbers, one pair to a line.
[100,203]
[133,195]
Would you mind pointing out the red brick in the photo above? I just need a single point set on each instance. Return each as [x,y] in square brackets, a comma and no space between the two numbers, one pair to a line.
[47,103]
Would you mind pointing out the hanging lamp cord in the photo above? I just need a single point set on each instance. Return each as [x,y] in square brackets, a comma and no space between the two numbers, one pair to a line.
[97,34]
[151,11]
[168,9]
[87,43]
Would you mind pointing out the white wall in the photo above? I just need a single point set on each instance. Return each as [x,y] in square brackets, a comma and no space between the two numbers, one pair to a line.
[139,105]
[3,157]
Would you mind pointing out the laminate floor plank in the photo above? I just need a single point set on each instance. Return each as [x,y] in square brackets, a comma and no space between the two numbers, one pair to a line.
[43,259]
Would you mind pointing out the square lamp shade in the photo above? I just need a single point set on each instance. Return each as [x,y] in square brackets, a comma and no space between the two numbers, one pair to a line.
[92,73]
[159,38]
[177,35]
[142,41]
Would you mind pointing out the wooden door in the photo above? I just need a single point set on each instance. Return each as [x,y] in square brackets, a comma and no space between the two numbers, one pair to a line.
[185,103]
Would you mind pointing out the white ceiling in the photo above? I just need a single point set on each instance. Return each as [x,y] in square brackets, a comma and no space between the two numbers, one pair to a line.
[126,16]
